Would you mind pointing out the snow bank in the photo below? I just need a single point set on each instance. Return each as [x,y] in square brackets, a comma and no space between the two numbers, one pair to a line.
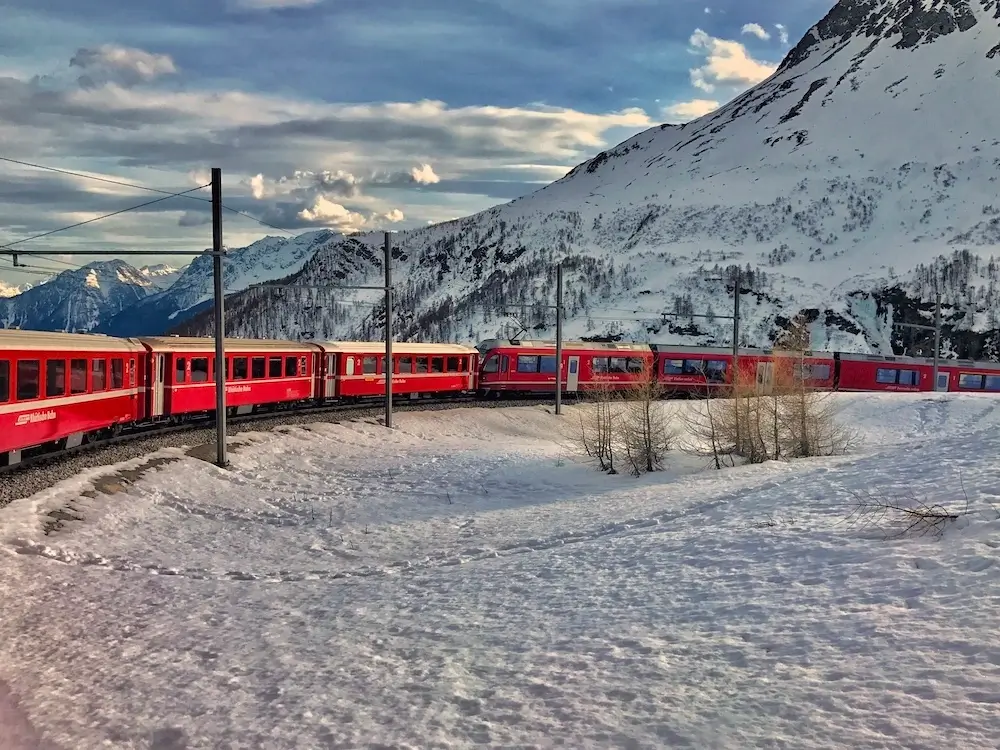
[463,580]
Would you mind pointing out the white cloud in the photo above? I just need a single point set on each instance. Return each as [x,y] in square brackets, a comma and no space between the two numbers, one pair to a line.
[689,110]
[324,212]
[424,175]
[756,30]
[782,33]
[257,186]
[126,65]
[727,64]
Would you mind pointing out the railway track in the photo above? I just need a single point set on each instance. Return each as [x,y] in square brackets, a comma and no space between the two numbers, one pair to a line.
[36,473]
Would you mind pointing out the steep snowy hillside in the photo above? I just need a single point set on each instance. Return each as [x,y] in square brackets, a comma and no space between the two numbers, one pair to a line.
[78,299]
[266,259]
[847,186]
[162,276]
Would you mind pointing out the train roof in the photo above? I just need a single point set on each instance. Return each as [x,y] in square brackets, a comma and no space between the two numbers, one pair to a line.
[609,346]
[18,340]
[232,346]
[402,347]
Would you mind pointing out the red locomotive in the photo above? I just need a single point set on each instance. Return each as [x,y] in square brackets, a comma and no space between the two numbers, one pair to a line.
[60,390]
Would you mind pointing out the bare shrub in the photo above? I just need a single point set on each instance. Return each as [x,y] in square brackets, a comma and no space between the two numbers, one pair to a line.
[645,433]
[900,514]
[595,434]
[767,413]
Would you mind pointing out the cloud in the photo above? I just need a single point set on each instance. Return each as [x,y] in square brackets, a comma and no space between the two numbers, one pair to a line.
[194,219]
[127,66]
[782,33]
[272,4]
[325,213]
[727,63]
[689,110]
[756,30]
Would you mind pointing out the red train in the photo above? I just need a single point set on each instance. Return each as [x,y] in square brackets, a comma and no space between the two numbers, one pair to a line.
[512,367]
[60,390]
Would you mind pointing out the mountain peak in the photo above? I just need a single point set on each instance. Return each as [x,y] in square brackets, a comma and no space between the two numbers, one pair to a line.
[907,24]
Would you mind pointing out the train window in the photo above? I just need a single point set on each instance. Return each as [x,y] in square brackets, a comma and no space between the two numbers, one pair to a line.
[504,363]
[527,363]
[993,382]
[291,369]
[420,364]
[240,368]
[405,365]
[970,381]
[180,369]
[117,372]
[618,364]
[258,367]
[715,370]
[199,369]
[909,377]
[302,365]
[673,366]
[885,375]
[369,365]
[4,381]
[381,365]
[77,376]
[599,364]
[437,364]
[98,375]
[635,364]
[492,363]
[694,366]
[27,379]
[547,364]
[55,377]
[274,367]
[453,364]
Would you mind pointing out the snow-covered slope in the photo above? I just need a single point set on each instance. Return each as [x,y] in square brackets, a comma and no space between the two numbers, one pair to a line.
[161,275]
[78,299]
[265,260]
[874,149]
[462,581]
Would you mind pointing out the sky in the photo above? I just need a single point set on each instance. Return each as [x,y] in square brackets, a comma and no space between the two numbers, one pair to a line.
[347,114]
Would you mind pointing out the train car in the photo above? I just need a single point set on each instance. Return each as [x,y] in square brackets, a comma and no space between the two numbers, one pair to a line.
[967,376]
[354,370]
[58,390]
[526,367]
[686,370]
[877,372]
[260,374]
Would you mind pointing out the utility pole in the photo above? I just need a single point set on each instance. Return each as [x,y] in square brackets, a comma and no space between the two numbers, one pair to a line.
[937,335]
[737,284]
[559,339]
[220,320]
[388,332]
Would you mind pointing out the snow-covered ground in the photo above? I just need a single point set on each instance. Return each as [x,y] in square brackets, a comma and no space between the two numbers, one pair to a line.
[463,581]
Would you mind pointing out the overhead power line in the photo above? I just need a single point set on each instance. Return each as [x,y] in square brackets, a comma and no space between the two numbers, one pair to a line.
[9,245]
[185,194]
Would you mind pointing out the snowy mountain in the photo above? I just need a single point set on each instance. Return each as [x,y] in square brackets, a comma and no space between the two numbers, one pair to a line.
[191,291]
[78,299]
[847,186]
[10,290]
[161,276]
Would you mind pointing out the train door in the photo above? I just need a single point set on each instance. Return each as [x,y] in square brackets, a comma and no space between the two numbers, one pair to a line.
[573,375]
[942,381]
[158,375]
[331,376]
[765,376]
